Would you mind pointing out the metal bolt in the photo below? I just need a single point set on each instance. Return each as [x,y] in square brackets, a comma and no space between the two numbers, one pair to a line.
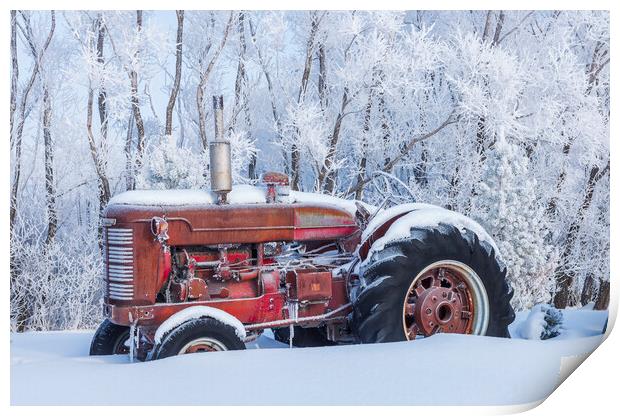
[444,294]
[434,298]
[430,323]
[428,311]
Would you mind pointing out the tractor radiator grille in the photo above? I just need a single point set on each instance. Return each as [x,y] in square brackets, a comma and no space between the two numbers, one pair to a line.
[119,266]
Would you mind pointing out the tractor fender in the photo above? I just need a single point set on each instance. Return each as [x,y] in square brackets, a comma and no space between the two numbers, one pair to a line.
[391,222]
[196,312]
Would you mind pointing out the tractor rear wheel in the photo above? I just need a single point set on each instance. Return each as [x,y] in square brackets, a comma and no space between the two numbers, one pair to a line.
[436,280]
[110,339]
[198,335]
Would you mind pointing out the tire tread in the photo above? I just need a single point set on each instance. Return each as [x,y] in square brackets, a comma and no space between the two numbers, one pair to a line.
[377,315]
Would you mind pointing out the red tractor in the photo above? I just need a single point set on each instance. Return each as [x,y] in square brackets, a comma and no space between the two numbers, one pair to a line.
[193,271]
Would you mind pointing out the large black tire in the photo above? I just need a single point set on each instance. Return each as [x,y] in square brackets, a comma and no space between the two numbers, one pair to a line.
[389,274]
[109,339]
[174,341]
[303,337]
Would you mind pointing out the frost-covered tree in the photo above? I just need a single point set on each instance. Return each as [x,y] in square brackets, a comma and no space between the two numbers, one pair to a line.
[507,206]
[554,318]
[167,166]
[421,96]
[543,322]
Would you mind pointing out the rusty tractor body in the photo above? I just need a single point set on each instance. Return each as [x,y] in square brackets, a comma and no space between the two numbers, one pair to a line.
[194,270]
[229,257]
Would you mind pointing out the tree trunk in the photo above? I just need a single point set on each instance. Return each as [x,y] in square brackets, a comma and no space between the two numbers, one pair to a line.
[252,174]
[552,206]
[103,184]
[455,180]
[14,71]
[384,124]
[242,100]
[593,69]
[487,26]
[14,80]
[241,78]
[498,28]
[177,73]
[420,173]
[101,98]
[481,136]
[202,83]
[364,158]
[596,174]
[587,293]
[602,300]
[481,139]
[179,110]
[98,151]
[295,157]
[50,185]
[272,96]
[137,115]
[135,105]
[129,170]
[202,116]
[324,99]
[566,279]
[562,294]
[600,59]
[327,176]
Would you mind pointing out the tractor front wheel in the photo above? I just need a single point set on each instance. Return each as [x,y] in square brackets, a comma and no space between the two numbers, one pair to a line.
[198,335]
[110,339]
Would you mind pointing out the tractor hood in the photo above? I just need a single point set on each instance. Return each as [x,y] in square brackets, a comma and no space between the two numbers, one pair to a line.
[194,217]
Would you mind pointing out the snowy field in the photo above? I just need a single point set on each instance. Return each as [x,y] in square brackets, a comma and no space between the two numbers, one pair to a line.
[54,368]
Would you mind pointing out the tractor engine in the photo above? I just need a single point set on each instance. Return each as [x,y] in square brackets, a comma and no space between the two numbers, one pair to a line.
[229,271]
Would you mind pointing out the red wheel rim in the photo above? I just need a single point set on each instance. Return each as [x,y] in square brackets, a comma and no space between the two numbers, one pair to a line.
[204,344]
[120,347]
[446,297]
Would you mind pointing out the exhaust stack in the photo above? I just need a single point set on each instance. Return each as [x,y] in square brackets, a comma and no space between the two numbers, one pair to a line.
[219,155]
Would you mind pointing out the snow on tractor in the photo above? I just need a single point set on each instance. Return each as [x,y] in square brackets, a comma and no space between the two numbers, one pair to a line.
[195,271]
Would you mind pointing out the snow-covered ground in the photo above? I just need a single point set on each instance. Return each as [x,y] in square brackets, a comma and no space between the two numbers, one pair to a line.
[54,368]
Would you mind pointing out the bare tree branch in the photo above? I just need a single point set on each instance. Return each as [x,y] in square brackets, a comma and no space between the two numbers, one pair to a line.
[516,27]
[202,83]
[38,57]
[405,150]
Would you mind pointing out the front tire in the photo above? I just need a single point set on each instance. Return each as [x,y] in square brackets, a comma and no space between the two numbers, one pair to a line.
[198,335]
[110,339]
[436,280]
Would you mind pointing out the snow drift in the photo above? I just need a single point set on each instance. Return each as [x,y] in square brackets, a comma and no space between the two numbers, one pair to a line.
[53,368]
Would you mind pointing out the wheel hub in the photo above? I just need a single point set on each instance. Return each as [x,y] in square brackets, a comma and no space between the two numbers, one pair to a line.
[439,310]
[200,348]
[202,345]
[439,300]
